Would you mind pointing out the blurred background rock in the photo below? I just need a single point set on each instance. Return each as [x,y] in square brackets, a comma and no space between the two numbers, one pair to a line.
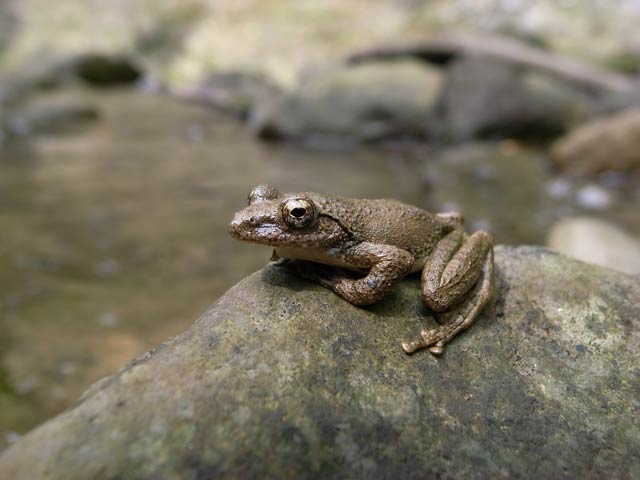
[131,131]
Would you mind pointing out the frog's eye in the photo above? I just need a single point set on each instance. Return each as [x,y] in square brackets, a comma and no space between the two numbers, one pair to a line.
[298,213]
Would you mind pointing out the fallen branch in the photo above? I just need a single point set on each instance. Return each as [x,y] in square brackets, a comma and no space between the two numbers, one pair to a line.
[442,48]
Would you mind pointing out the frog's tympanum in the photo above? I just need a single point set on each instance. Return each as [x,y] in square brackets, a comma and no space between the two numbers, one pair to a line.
[361,248]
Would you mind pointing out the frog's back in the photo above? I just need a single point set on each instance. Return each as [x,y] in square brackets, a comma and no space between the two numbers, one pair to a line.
[387,221]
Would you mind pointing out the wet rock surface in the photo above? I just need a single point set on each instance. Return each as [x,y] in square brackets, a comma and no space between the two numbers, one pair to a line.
[367,102]
[609,143]
[282,378]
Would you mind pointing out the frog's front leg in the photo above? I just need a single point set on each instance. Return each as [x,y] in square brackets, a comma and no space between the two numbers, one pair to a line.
[387,266]
[456,278]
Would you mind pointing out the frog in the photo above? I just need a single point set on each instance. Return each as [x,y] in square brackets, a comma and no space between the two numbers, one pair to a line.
[362,248]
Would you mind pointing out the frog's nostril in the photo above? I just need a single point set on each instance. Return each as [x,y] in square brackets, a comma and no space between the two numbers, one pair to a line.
[253,221]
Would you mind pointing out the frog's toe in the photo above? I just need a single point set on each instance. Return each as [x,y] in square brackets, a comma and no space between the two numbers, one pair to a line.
[437,349]
[429,337]
[410,347]
[435,336]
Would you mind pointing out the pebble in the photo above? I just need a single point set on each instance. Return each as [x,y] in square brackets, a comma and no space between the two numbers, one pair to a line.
[593,197]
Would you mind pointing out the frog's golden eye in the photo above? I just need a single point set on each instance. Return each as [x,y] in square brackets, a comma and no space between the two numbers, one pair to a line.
[298,212]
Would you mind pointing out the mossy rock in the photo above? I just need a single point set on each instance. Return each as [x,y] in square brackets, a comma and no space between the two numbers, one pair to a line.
[283,379]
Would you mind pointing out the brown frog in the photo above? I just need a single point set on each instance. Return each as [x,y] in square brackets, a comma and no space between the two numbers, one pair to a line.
[383,240]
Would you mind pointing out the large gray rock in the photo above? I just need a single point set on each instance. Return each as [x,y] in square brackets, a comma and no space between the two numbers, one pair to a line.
[283,379]
[367,102]
[609,143]
[489,98]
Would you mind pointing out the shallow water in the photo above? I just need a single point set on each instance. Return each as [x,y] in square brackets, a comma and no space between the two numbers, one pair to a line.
[114,237]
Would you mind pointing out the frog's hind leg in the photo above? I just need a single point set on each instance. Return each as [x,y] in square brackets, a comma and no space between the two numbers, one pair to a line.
[457,279]
[466,315]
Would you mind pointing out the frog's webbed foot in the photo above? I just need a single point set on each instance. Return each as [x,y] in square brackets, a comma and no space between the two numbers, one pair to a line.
[457,279]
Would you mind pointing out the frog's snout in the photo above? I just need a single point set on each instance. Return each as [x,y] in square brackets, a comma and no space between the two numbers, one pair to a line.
[241,225]
[235,227]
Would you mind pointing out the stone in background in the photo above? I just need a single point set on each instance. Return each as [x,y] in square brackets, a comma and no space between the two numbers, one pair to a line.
[595,241]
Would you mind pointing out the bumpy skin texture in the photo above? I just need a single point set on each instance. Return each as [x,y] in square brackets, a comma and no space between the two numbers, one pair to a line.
[383,239]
